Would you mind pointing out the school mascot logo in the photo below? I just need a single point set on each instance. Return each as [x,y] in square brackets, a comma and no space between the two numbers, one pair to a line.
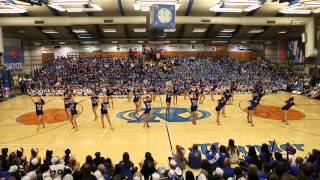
[159,113]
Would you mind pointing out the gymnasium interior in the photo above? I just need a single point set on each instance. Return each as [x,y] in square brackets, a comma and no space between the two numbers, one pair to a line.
[161,71]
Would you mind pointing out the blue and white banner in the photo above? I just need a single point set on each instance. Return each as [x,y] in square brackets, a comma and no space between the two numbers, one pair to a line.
[13,54]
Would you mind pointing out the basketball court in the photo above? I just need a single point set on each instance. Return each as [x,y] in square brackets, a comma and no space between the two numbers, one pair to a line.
[18,129]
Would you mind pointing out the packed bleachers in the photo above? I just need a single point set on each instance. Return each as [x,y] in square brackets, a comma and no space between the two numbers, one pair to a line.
[84,75]
[223,162]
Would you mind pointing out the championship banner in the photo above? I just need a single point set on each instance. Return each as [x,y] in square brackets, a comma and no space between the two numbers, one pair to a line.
[13,54]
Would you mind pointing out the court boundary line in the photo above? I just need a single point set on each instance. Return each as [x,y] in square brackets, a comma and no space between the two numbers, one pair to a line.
[32,135]
[169,138]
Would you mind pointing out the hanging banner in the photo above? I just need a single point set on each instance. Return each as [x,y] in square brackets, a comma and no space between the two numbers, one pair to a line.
[13,54]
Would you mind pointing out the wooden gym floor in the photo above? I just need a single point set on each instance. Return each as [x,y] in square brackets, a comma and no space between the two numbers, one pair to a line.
[161,138]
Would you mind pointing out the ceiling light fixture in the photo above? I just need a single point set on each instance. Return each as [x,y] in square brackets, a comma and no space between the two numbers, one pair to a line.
[224,36]
[236,6]
[139,30]
[282,32]
[49,31]
[169,30]
[109,30]
[69,5]
[8,7]
[114,42]
[84,36]
[302,7]
[256,31]
[78,31]
[227,30]
[89,42]
[219,42]
[199,30]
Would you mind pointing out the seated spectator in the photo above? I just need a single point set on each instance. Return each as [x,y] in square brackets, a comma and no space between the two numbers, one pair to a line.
[228,171]
[252,172]
[4,162]
[89,162]
[278,159]
[109,167]
[100,173]
[252,157]
[98,159]
[74,164]
[66,157]
[212,156]
[222,155]
[308,172]
[43,172]
[22,158]
[265,173]
[179,157]
[34,164]
[34,154]
[148,165]
[265,155]
[14,172]
[126,166]
[47,160]
[87,173]
[239,175]
[281,168]
[290,156]
[195,157]
[57,168]
[233,151]
[296,166]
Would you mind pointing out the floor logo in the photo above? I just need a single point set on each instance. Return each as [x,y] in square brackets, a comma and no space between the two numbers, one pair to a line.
[159,113]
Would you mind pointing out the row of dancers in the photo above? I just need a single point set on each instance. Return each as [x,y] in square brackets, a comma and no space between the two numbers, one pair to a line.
[195,94]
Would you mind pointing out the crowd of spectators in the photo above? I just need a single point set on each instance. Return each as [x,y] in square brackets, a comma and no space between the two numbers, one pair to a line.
[217,163]
[85,74]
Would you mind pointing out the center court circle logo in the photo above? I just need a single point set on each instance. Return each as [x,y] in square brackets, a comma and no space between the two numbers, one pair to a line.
[159,113]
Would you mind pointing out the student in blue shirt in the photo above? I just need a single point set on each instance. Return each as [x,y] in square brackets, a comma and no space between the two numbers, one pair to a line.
[265,173]
[223,154]
[126,166]
[228,171]
[265,155]
[252,157]
[212,156]
[195,158]
[288,104]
